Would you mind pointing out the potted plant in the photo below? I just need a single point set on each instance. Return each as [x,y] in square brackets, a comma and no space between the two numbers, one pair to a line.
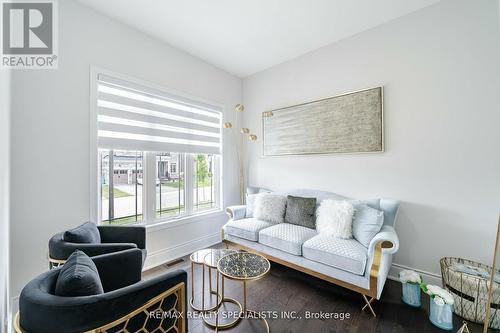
[411,282]
[441,306]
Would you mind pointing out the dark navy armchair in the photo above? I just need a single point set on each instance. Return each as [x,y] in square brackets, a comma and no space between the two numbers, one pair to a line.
[127,304]
[109,239]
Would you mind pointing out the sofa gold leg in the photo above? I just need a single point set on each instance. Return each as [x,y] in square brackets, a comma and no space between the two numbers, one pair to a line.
[369,305]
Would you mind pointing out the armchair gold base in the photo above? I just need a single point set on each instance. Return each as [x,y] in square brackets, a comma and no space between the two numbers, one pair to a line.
[54,263]
[177,325]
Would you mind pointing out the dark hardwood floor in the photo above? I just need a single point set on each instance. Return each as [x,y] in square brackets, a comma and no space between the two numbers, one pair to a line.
[284,289]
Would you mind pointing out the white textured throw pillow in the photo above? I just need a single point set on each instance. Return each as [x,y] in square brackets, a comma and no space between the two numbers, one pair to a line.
[270,207]
[334,218]
[251,198]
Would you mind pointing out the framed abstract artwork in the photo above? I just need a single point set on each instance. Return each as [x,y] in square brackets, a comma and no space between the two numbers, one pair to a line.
[348,123]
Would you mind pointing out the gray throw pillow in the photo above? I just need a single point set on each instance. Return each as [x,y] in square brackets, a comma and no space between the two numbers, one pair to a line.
[301,211]
[366,223]
[78,277]
[85,233]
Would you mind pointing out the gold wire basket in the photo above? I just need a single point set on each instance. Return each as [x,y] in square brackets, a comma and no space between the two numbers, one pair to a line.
[470,292]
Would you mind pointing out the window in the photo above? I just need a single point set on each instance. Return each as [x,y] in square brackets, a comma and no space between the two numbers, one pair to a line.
[203,174]
[121,194]
[158,153]
[170,200]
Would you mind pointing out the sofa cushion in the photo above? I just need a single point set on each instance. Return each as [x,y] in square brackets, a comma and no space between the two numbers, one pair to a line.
[85,233]
[301,211]
[286,237]
[270,207]
[347,254]
[246,228]
[78,277]
[366,223]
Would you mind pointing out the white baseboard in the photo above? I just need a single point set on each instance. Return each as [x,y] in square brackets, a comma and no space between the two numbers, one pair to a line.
[174,252]
[429,278]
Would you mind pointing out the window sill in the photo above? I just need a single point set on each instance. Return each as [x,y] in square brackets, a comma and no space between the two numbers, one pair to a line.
[175,222]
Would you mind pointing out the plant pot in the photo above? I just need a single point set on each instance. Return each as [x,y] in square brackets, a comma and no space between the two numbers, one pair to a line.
[412,294]
[441,315]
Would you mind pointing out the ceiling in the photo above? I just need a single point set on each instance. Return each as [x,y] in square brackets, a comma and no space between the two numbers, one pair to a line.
[243,37]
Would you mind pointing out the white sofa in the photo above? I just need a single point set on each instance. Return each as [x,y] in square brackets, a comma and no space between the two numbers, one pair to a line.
[344,262]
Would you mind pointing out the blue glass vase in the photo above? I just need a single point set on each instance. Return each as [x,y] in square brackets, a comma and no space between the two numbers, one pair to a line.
[412,294]
[441,315]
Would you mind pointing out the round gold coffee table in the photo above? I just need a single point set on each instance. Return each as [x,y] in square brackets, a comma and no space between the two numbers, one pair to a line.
[197,258]
[242,266]
[211,260]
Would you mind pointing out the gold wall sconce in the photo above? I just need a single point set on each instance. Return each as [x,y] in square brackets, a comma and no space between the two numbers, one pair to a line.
[228,125]
[253,137]
[245,130]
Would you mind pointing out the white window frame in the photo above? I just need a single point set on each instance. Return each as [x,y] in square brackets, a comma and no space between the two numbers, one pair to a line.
[149,163]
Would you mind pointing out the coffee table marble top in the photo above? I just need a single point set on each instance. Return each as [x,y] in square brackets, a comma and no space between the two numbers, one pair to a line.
[243,266]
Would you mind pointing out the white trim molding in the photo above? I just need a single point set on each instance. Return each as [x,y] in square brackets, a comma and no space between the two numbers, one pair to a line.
[429,278]
[184,220]
[177,251]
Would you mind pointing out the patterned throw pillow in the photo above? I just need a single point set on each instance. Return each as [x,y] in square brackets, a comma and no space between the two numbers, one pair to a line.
[270,207]
[334,218]
[301,211]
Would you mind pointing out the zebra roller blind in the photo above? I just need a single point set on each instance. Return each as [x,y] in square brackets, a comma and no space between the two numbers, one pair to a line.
[135,117]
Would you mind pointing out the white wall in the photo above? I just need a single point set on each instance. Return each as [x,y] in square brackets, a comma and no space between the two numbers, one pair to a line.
[50,133]
[440,72]
[4,196]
